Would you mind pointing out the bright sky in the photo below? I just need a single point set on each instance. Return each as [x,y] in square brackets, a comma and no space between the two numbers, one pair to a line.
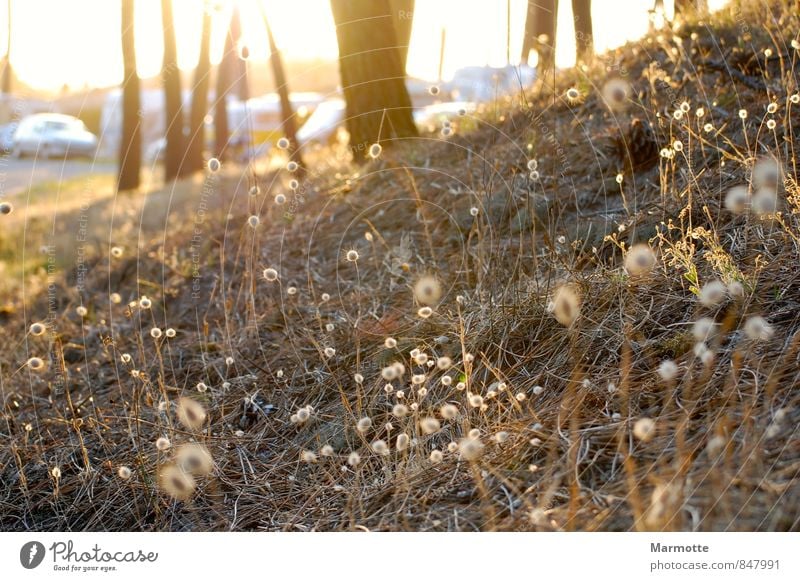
[76,42]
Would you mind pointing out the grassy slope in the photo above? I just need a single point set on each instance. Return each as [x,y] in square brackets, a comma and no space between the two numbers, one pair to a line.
[724,455]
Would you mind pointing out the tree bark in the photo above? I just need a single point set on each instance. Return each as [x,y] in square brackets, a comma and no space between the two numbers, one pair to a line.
[403,18]
[173,106]
[540,34]
[197,125]
[288,120]
[378,108]
[229,77]
[130,146]
[584,41]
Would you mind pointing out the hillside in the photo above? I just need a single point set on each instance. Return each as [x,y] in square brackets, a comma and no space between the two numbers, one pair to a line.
[596,329]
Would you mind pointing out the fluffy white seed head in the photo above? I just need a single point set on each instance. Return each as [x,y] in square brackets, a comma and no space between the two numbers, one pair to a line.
[616,93]
[448,411]
[176,482]
[380,447]
[444,363]
[566,305]
[757,328]
[402,442]
[640,260]
[194,458]
[191,413]
[35,363]
[644,429]
[765,201]
[470,448]
[573,94]
[428,290]
[736,289]
[737,199]
[703,329]
[303,414]
[668,370]
[429,425]
[425,312]
[712,293]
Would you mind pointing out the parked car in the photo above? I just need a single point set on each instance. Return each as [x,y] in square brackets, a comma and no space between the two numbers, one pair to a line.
[323,124]
[53,134]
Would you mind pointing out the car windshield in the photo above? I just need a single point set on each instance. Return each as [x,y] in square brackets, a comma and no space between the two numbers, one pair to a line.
[56,126]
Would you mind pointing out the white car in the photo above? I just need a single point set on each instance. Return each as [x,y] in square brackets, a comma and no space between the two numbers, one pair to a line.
[53,134]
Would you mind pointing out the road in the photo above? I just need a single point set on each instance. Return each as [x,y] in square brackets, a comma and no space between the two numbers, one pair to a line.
[18,175]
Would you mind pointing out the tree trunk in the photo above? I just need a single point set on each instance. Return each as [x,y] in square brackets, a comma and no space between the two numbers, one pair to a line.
[197,125]
[130,146]
[403,18]
[229,77]
[288,120]
[689,7]
[173,106]
[582,17]
[378,108]
[540,34]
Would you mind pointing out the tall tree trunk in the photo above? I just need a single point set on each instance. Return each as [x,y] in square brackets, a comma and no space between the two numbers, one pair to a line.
[689,7]
[540,34]
[130,146]
[288,120]
[378,107]
[403,18]
[173,106]
[229,77]
[582,17]
[5,84]
[197,125]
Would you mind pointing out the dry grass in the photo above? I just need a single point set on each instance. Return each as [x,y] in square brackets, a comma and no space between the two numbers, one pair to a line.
[560,451]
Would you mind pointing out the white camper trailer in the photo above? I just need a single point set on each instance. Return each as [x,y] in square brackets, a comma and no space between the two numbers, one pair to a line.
[259,116]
